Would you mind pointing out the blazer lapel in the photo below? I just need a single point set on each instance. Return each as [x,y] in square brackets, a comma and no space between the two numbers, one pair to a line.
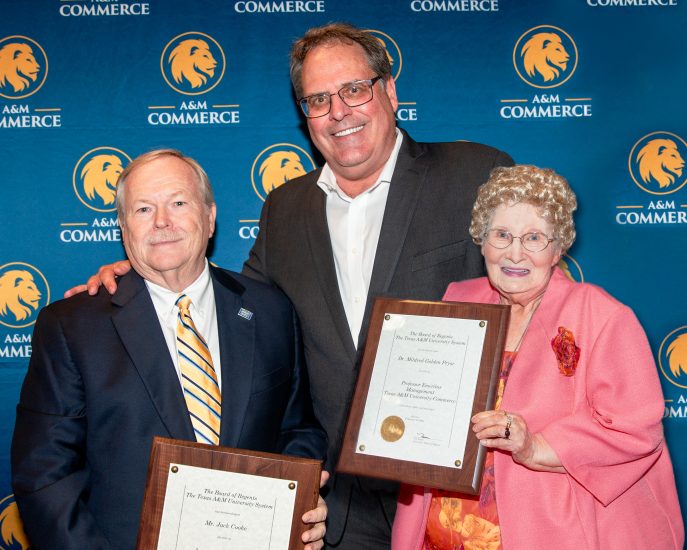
[323,260]
[237,354]
[139,329]
[406,185]
[535,365]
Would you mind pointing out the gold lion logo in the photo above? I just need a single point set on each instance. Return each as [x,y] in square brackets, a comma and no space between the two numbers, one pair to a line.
[278,168]
[100,176]
[17,66]
[12,529]
[19,294]
[677,355]
[544,53]
[192,60]
[660,160]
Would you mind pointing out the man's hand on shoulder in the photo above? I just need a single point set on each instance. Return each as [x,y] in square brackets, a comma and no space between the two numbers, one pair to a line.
[106,276]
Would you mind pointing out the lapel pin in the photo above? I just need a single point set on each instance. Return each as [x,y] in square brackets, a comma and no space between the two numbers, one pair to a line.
[243,312]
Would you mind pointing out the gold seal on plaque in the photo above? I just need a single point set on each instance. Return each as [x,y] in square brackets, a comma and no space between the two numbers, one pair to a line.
[392,429]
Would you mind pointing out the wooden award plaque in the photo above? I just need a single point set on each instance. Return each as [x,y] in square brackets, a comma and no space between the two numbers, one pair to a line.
[388,428]
[169,456]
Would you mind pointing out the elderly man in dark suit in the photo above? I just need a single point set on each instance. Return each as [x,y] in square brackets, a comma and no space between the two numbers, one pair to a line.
[385,216]
[181,350]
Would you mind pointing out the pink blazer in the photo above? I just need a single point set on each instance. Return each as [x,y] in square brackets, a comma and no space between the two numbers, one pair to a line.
[604,422]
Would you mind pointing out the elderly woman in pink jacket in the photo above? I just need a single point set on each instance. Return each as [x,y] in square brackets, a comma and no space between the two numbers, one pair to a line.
[576,458]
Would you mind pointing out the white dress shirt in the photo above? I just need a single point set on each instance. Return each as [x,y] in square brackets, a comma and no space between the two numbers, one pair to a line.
[354,227]
[203,312]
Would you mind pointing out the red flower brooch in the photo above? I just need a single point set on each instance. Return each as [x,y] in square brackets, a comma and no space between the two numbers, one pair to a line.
[567,353]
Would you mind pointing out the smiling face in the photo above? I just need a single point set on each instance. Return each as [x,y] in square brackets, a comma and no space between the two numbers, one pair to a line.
[355,141]
[166,225]
[520,276]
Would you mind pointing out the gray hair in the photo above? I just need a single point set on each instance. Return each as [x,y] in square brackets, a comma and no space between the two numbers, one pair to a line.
[145,158]
[543,188]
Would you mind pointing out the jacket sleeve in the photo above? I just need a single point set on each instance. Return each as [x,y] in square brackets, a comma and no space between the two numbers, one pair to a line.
[615,435]
[50,474]
[301,433]
[255,266]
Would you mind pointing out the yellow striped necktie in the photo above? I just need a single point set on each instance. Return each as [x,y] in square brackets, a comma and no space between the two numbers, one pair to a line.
[198,377]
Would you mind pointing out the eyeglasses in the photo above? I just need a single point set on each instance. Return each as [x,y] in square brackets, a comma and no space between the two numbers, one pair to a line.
[353,94]
[533,241]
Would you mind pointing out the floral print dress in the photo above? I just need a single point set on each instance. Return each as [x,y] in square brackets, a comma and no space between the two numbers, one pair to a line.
[464,522]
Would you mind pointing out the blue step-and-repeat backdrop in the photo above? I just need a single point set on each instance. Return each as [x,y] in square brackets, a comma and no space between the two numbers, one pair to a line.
[592,88]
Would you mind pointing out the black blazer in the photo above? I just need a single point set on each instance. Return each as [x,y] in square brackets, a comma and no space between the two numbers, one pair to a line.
[424,245]
[101,384]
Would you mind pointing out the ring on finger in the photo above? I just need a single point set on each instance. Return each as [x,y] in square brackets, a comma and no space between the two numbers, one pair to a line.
[509,423]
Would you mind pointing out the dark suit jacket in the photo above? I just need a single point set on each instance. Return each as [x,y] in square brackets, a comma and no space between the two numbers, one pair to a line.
[101,383]
[424,245]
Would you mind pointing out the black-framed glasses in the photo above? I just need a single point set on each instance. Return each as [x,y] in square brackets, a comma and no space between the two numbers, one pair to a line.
[353,94]
[533,241]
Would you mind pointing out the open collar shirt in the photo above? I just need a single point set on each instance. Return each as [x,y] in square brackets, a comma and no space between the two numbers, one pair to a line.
[354,228]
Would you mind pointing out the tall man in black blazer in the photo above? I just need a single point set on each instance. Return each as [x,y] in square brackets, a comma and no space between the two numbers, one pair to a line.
[332,243]
[104,377]
[386,216]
